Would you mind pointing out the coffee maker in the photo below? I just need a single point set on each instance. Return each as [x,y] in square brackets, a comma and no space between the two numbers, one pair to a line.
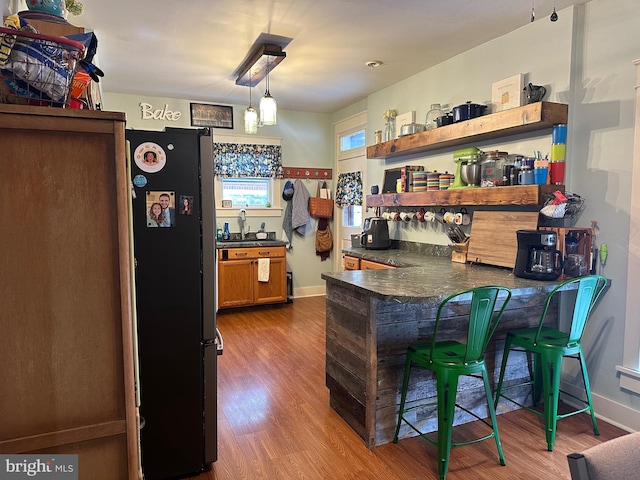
[537,257]
[376,234]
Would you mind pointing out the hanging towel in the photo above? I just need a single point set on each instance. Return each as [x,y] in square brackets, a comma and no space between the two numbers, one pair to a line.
[300,215]
[263,269]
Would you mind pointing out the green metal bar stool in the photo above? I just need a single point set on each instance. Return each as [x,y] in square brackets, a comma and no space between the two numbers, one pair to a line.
[449,359]
[549,346]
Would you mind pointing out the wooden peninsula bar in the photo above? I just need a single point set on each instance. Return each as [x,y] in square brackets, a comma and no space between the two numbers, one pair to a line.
[374,315]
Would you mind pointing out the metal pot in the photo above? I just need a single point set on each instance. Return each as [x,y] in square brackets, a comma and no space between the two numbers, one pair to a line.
[444,120]
[411,128]
[467,111]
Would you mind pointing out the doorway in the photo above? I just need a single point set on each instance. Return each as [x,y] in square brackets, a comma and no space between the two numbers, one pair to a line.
[350,156]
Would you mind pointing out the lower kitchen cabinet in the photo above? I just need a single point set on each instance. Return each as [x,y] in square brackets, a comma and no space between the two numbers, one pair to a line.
[238,284]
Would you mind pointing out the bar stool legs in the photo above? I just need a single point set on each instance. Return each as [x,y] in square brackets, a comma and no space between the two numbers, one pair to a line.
[450,359]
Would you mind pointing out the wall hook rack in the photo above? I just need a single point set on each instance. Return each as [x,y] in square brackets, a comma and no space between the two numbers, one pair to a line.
[308,173]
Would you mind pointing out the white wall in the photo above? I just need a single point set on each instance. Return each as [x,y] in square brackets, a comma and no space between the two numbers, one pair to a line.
[603,114]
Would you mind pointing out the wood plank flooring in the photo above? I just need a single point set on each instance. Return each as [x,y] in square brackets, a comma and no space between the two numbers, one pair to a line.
[274,419]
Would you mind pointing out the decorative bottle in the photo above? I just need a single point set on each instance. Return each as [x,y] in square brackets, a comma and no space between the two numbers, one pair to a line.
[389,129]
[225,234]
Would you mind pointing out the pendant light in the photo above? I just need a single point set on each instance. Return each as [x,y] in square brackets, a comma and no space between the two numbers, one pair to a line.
[268,107]
[250,116]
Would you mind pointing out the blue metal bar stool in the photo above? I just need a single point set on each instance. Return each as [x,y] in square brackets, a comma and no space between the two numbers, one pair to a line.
[549,346]
[450,359]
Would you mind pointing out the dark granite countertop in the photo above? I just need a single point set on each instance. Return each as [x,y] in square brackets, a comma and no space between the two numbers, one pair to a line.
[426,278]
[250,243]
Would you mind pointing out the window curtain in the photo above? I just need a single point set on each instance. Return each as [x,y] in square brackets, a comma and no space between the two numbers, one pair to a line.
[349,189]
[245,160]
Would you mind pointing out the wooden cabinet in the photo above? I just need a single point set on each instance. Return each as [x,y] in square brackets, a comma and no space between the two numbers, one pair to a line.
[238,284]
[66,346]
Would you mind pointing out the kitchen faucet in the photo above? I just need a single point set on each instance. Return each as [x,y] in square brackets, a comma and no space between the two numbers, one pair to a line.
[243,219]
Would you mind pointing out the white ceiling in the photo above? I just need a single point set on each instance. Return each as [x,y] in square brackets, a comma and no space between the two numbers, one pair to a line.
[191,49]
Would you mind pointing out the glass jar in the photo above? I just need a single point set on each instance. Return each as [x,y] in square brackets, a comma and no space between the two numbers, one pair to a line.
[390,129]
[435,112]
[492,169]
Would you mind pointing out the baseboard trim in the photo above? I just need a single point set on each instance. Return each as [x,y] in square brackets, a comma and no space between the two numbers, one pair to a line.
[314,291]
[606,409]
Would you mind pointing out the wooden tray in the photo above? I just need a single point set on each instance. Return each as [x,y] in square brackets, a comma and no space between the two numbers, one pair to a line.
[493,236]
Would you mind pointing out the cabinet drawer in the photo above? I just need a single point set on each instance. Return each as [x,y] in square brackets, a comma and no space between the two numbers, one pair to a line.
[252,252]
[351,263]
[369,265]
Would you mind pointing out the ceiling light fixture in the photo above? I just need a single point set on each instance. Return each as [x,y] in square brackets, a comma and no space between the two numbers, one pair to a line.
[268,106]
[258,64]
[250,116]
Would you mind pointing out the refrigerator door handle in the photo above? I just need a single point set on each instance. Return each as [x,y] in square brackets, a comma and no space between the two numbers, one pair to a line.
[219,342]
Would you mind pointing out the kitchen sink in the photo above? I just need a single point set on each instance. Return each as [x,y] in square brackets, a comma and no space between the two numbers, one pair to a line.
[249,237]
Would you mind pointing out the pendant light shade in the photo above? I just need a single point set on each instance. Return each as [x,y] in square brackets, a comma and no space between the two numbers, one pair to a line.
[268,109]
[250,120]
[250,117]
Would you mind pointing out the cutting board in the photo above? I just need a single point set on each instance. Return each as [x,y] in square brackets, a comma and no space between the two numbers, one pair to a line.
[493,236]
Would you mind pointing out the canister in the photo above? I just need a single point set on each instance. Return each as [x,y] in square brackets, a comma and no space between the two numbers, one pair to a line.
[419,181]
[491,169]
[433,181]
[445,180]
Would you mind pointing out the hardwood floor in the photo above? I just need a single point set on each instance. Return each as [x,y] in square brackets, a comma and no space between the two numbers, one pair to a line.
[274,419]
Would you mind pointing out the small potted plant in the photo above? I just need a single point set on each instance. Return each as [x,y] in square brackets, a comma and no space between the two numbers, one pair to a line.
[74,7]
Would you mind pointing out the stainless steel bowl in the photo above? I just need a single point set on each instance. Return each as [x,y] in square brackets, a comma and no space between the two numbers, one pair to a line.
[470,173]
[411,128]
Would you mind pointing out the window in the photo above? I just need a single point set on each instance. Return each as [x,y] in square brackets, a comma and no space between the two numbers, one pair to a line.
[259,196]
[247,192]
[352,216]
[248,171]
[352,141]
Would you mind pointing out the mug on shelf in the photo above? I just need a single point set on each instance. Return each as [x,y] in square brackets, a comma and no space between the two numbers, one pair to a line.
[525,177]
[430,215]
[449,217]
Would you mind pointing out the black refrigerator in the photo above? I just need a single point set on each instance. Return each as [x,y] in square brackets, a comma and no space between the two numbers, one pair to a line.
[178,342]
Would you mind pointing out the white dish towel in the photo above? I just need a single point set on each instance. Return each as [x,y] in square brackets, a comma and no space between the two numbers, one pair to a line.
[263,269]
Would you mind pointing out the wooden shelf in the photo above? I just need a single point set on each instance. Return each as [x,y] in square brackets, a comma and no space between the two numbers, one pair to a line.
[536,116]
[516,195]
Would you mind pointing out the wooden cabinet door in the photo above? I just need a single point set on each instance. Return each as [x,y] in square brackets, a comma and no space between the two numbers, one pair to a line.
[236,283]
[275,290]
